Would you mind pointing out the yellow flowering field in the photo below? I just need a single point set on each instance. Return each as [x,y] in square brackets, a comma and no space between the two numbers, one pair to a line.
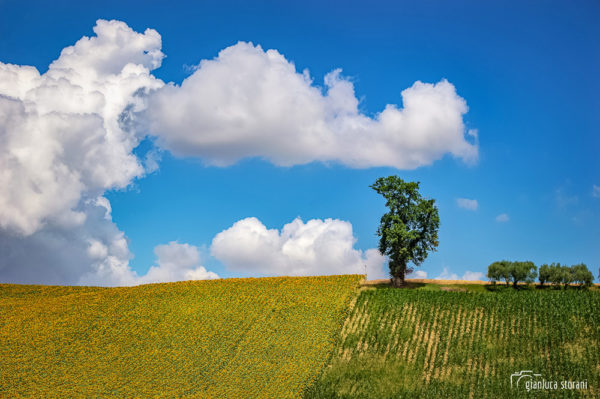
[230,338]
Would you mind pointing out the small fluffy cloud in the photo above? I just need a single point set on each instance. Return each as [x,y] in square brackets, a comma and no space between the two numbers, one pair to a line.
[176,262]
[418,274]
[468,204]
[248,102]
[469,275]
[596,191]
[502,218]
[446,275]
[317,247]
[473,276]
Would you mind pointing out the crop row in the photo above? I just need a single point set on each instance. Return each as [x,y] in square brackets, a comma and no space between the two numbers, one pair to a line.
[458,344]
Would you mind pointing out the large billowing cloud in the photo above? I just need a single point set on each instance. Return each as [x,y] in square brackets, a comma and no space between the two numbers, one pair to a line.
[317,247]
[67,136]
[248,102]
[93,252]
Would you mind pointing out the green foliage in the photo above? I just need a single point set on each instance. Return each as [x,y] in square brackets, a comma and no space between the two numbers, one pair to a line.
[499,271]
[582,275]
[544,274]
[522,272]
[567,276]
[514,272]
[409,230]
[496,271]
[439,344]
[556,272]
[559,274]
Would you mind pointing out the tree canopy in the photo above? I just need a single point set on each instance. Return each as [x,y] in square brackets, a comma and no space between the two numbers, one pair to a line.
[499,271]
[582,275]
[514,272]
[522,272]
[544,274]
[556,274]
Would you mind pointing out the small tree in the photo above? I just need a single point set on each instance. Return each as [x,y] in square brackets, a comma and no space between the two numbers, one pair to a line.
[582,275]
[409,230]
[499,271]
[567,276]
[544,274]
[556,274]
[505,272]
[522,271]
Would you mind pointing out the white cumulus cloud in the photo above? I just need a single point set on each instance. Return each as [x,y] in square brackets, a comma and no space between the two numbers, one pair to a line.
[317,247]
[473,276]
[176,262]
[422,274]
[64,134]
[94,252]
[468,275]
[248,102]
[468,204]
[596,191]
[447,275]
[67,136]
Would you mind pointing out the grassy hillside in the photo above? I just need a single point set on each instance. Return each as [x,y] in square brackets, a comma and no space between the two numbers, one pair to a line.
[464,342]
[236,338]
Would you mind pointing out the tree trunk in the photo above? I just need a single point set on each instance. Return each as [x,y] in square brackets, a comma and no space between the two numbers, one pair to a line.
[398,279]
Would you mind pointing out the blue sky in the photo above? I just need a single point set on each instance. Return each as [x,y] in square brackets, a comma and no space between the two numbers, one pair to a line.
[528,73]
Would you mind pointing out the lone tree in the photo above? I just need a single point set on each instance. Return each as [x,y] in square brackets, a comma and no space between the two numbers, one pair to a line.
[409,229]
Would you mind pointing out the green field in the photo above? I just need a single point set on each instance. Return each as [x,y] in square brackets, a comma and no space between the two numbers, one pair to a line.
[233,338]
[317,337]
[432,343]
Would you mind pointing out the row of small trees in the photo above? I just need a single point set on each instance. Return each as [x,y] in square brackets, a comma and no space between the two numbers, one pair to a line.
[526,272]
[557,274]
